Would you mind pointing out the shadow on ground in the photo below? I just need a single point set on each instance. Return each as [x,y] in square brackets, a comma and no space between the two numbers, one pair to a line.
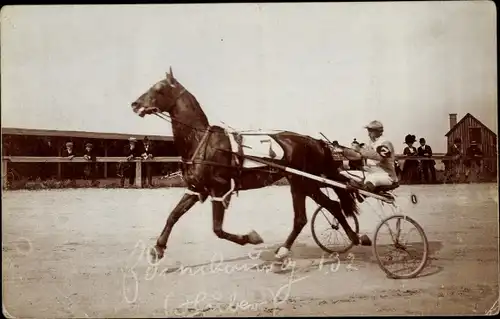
[359,254]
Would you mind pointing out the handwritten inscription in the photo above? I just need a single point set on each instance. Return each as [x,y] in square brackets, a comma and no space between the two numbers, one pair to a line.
[204,301]
[217,265]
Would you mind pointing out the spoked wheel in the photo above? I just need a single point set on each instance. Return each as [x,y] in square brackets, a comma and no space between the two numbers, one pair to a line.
[329,234]
[401,247]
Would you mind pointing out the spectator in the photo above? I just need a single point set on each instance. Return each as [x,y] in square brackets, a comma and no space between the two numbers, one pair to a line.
[452,165]
[473,161]
[69,171]
[147,167]
[410,167]
[91,167]
[47,170]
[428,166]
[128,169]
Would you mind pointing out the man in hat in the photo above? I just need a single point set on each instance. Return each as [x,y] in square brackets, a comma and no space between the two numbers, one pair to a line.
[47,170]
[68,169]
[410,167]
[379,154]
[91,167]
[131,151]
[452,166]
[147,167]
[473,161]
[425,150]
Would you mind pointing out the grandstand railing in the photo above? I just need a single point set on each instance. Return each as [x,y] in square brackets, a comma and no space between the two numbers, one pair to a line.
[138,161]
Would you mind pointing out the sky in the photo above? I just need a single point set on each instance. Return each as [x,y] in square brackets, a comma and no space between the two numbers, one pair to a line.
[304,67]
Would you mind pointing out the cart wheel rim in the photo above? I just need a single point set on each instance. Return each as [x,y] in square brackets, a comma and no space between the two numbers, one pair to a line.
[328,234]
[410,257]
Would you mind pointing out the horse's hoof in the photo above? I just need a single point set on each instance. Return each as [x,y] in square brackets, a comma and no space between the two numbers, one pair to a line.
[365,240]
[156,254]
[282,253]
[254,238]
[354,239]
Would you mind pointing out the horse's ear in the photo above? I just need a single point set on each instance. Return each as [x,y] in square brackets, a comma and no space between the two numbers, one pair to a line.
[170,74]
[170,77]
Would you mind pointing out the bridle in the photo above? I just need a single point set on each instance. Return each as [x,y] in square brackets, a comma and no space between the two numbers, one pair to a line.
[167,117]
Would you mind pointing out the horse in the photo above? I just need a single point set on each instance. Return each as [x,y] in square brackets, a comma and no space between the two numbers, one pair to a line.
[209,167]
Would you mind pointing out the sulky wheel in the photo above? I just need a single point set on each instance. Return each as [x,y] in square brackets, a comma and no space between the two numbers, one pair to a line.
[329,234]
[401,247]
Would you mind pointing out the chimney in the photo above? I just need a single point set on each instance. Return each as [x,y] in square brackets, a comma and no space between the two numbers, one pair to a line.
[453,120]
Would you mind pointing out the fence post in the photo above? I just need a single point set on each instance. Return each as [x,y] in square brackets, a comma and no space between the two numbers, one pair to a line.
[59,165]
[138,173]
[5,174]
[105,163]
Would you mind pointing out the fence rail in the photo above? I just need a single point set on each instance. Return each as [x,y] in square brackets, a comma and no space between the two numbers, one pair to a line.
[164,159]
[138,161]
[80,159]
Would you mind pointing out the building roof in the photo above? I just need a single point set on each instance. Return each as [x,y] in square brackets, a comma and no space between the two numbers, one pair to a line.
[463,118]
[80,134]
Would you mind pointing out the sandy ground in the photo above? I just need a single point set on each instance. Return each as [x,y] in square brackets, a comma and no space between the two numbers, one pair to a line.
[80,253]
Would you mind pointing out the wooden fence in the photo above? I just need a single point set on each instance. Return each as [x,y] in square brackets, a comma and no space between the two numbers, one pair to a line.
[138,161]
[40,159]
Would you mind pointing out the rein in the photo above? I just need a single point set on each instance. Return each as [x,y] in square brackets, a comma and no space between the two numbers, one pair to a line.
[169,118]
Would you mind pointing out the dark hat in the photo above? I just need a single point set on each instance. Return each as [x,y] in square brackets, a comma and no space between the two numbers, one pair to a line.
[146,139]
[457,140]
[422,140]
[410,138]
[355,142]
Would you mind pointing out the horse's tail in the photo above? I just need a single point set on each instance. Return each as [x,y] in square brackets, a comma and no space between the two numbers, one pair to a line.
[347,202]
[347,199]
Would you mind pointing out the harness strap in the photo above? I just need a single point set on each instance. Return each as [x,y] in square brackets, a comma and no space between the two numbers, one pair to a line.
[204,138]
[238,158]
[225,197]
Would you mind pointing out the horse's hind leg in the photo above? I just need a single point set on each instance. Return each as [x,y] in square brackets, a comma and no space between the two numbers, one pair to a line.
[218,219]
[187,201]
[299,220]
[336,210]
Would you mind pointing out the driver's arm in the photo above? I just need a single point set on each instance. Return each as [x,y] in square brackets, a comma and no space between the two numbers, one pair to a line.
[385,150]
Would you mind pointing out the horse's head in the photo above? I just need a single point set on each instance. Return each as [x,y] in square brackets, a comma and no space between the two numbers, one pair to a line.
[161,97]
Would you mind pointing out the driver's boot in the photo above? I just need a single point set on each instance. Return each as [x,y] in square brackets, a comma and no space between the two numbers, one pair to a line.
[369,187]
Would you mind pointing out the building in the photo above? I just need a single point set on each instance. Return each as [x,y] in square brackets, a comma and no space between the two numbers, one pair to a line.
[35,142]
[470,128]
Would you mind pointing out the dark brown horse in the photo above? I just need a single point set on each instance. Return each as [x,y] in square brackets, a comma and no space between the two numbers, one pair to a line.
[209,168]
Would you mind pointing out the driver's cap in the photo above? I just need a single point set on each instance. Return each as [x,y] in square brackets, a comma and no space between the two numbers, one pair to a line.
[375,125]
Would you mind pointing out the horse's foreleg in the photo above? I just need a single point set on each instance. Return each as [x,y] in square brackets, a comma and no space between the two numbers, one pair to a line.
[187,201]
[336,210]
[218,219]
[299,220]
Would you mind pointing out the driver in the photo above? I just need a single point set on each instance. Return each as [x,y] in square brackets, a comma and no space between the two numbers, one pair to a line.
[379,154]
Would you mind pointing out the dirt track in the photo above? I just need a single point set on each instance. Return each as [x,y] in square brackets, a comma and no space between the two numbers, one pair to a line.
[70,253]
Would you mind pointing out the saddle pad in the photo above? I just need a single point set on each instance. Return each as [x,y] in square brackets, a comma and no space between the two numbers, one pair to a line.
[257,145]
